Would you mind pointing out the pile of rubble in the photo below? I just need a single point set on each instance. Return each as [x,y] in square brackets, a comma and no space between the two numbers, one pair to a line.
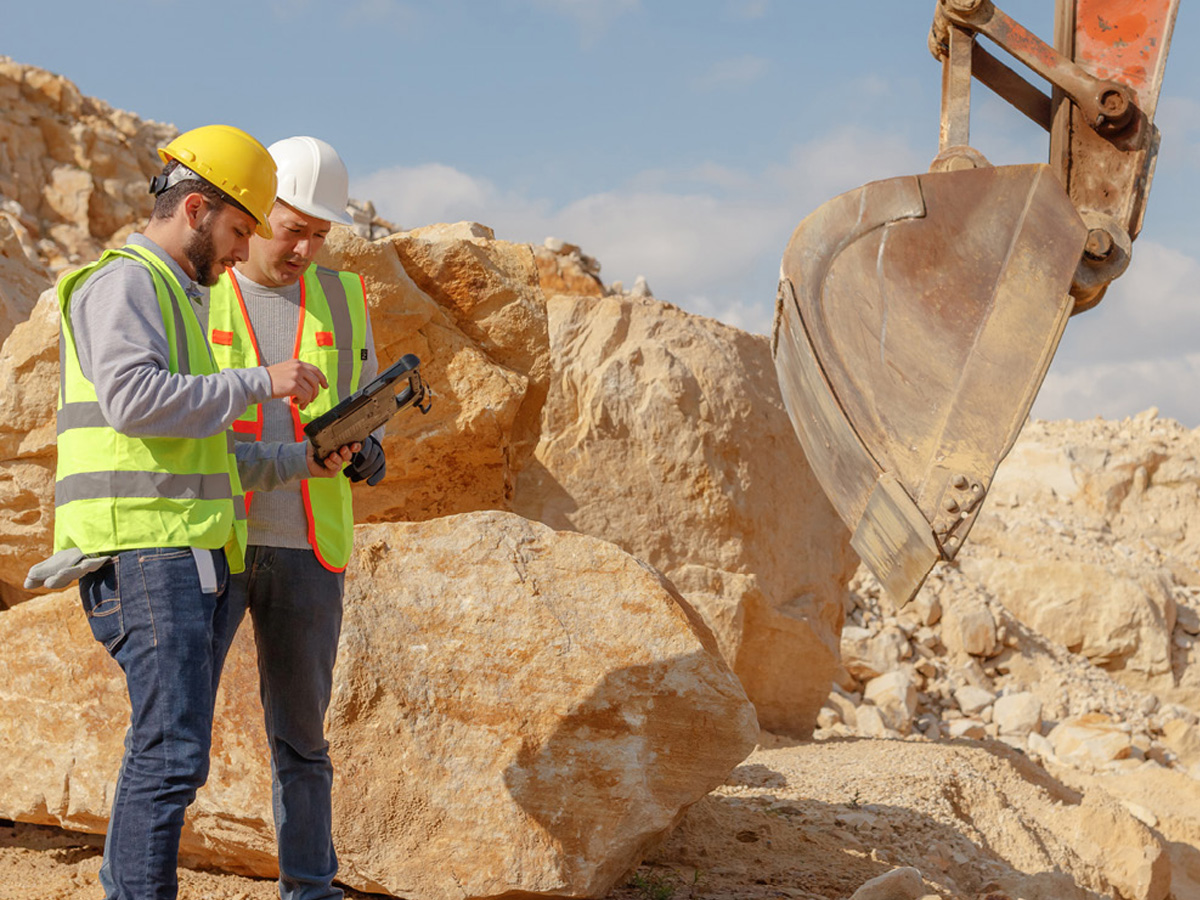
[1103,503]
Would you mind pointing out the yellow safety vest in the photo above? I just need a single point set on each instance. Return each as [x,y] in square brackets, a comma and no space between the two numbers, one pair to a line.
[332,335]
[114,492]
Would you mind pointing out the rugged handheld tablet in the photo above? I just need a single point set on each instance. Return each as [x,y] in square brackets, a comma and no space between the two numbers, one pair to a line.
[369,407]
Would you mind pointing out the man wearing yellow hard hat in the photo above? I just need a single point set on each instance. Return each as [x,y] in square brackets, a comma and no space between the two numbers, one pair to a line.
[149,509]
[277,305]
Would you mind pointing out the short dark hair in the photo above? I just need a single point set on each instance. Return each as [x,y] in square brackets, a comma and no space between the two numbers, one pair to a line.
[166,202]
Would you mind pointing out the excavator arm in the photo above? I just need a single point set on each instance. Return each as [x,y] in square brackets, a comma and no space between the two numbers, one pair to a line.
[916,317]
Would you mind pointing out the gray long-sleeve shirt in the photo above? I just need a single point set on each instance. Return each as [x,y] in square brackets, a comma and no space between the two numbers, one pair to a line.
[123,350]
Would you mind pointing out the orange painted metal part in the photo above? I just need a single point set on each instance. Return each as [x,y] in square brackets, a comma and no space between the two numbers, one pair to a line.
[1125,41]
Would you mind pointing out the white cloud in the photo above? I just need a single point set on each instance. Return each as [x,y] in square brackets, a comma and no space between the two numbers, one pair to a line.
[378,13]
[840,161]
[1140,347]
[1118,390]
[1178,118]
[593,16]
[1151,312]
[737,72]
[749,9]
[708,238]
[419,195]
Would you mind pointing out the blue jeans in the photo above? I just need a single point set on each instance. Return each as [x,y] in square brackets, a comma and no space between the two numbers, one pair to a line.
[295,604]
[170,640]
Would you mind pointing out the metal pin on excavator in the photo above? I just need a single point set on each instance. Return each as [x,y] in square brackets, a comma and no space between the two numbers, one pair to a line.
[917,316]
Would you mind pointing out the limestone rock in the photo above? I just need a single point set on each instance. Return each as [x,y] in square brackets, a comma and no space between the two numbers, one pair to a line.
[867,654]
[78,167]
[28,391]
[967,728]
[665,433]
[1183,739]
[1113,841]
[969,627]
[843,707]
[869,722]
[895,696]
[536,708]
[1092,739]
[899,884]
[483,351]
[1175,801]
[1116,620]
[22,278]
[1018,714]
[564,269]
[971,699]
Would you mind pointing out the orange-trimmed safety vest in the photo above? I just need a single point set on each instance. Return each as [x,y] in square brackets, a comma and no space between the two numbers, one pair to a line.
[332,335]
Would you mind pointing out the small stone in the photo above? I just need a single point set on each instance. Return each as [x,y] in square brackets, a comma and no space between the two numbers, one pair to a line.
[641,288]
[1188,619]
[827,718]
[970,628]
[1018,714]
[1142,814]
[872,724]
[898,884]
[1183,740]
[967,728]
[972,699]
[927,608]
[895,695]
[845,707]
[1089,740]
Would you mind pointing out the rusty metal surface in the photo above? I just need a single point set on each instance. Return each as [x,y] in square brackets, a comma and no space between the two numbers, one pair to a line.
[1107,105]
[956,90]
[1108,180]
[1106,68]
[894,540]
[916,319]
[1010,86]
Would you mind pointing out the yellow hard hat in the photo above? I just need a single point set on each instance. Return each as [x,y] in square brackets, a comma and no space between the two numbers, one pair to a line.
[233,161]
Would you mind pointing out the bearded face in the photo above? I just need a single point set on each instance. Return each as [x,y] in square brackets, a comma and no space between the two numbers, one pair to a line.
[201,251]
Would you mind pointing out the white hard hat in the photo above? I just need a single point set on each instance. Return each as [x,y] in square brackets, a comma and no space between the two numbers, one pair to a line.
[312,178]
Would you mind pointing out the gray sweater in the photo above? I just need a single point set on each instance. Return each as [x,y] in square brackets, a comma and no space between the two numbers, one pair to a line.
[122,345]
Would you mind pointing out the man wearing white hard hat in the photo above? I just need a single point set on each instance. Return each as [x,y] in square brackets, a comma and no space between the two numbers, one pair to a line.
[278,305]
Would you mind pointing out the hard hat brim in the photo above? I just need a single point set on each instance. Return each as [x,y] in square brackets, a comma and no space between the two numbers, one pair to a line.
[317,211]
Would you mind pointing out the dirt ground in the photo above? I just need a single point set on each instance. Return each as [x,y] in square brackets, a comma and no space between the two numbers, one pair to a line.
[812,821]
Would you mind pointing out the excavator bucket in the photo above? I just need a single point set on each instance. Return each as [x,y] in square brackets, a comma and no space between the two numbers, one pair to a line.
[916,317]
[915,321]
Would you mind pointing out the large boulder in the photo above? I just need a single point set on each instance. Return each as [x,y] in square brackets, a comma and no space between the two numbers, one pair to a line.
[514,710]
[665,433]
[476,319]
[1118,620]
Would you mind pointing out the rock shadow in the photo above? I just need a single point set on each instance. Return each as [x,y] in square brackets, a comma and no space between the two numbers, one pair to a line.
[620,765]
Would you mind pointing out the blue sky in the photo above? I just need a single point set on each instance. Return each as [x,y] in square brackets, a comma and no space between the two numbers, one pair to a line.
[682,141]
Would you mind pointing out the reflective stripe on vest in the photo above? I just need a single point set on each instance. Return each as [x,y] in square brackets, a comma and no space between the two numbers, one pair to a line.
[115,492]
[331,334]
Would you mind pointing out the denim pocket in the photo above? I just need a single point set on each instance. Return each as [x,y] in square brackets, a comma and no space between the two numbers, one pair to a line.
[101,596]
